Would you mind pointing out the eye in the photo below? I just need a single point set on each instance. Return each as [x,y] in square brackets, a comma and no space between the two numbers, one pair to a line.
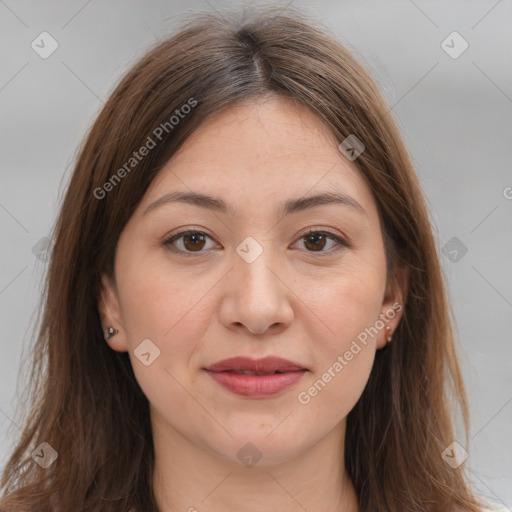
[316,241]
[189,241]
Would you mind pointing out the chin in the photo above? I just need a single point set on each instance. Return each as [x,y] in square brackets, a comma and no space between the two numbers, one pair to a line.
[255,447]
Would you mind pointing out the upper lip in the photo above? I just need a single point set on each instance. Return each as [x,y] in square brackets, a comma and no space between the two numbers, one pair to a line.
[267,364]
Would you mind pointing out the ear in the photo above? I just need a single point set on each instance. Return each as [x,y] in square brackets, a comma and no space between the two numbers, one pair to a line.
[110,314]
[393,305]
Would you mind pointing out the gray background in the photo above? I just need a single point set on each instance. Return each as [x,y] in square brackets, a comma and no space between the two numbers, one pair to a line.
[454,114]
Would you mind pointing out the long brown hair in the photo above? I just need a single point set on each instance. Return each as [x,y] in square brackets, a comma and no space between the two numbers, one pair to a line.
[84,400]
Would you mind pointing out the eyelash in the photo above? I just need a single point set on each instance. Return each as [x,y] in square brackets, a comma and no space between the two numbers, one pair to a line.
[340,243]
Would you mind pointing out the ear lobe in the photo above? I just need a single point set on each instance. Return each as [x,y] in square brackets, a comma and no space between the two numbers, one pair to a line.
[110,313]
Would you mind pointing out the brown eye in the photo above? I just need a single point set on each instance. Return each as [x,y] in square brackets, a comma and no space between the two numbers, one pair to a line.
[316,241]
[189,241]
[193,241]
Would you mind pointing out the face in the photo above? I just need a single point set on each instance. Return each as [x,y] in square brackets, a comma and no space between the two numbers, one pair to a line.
[253,279]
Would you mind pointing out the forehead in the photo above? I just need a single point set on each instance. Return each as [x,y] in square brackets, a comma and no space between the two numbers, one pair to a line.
[264,134]
[260,153]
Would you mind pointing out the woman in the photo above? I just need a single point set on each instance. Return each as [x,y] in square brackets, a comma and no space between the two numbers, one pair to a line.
[244,306]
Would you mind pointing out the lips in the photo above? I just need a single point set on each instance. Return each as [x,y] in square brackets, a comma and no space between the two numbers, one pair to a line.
[247,366]
[260,378]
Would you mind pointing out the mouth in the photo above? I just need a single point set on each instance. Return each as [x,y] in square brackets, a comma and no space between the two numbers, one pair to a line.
[261,378]
[248,372]
[247,366]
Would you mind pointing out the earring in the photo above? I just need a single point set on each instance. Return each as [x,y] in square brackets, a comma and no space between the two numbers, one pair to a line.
[390,337]
[109,332]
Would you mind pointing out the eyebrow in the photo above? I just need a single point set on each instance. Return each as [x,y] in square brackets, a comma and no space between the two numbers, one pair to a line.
[289,207]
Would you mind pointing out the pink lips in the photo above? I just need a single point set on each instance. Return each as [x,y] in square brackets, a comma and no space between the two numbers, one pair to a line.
[267,377]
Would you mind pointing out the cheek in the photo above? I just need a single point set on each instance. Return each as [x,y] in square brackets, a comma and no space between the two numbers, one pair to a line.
[167,309]
[162,304]
[333,392]
[347,302]
[348,306]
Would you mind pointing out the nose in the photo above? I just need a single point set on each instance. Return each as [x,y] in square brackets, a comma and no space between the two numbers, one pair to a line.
[256,297]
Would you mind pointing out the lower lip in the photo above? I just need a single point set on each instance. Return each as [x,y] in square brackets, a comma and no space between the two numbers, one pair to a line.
[257,386]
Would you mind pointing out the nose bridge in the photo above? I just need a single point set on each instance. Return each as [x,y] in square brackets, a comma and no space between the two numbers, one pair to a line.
[256,296]
[253,266]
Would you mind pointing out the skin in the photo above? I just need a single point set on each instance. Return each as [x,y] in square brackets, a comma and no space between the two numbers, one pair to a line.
[305,302]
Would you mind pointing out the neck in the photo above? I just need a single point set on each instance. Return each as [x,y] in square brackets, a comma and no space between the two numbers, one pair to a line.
[188,477]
